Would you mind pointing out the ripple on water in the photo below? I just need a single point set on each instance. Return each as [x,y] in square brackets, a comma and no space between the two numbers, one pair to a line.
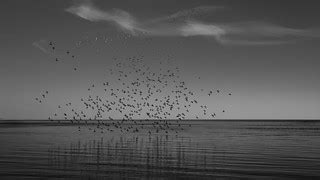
[209,150]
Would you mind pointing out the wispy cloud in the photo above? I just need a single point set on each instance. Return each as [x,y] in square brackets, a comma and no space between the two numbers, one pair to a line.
[250,33]
[88,11]
[42,45]
[186,23]
[260,33]
[188,14]
[193,28]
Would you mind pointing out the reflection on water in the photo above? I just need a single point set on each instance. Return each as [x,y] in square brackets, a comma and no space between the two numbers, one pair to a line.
[134,156]
[207,150]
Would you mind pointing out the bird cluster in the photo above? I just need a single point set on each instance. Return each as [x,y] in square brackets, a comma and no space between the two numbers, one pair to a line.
[42,97]
[139,93]
[55,51]
[138,97]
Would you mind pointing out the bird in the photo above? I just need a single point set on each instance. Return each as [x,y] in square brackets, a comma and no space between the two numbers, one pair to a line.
[137,91]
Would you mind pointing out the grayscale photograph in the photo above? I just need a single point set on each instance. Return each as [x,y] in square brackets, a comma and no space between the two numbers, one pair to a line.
[159,89]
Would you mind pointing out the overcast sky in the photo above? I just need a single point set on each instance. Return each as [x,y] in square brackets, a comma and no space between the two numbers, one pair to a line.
[265,52]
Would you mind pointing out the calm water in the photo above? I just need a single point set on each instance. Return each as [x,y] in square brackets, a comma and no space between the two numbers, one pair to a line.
[207,150]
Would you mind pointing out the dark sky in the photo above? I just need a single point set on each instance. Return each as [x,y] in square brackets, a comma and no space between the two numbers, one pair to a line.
[267,53]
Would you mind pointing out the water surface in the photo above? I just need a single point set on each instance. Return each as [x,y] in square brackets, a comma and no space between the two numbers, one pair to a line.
[206,150]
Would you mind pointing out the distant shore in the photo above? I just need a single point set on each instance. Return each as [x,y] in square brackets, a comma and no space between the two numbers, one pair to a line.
[55,121]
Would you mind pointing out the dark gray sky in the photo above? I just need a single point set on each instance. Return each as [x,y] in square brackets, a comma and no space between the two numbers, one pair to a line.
[265,52]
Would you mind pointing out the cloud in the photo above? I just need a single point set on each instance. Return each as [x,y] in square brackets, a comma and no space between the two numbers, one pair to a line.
[42,45]
[260,33]
[188,14]
[201,29]
[264,30]
[88,11]
[186,23]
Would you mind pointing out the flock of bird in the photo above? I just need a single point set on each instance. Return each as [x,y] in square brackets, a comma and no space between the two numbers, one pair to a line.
[139,97]
[54,50]
[42,97]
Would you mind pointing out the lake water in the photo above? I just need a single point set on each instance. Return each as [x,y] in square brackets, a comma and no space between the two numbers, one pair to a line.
[206,150]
